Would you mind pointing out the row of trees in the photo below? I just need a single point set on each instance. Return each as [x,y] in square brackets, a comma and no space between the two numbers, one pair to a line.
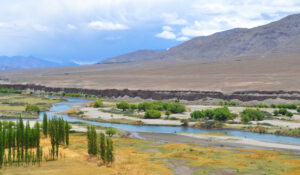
[252,115]
[218,114]
[157,105]
[283,111]
[19,144]
[102,148]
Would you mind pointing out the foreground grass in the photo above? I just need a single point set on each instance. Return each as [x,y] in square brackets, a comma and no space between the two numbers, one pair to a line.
[139,157]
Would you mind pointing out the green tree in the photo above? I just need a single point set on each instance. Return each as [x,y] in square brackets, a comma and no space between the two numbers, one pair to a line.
[123,105]
[222,114]
[276,112]
[152,114]
[98,104]
[298,109]
[253,114]
[133,106]
[109,151]
[111,131]
[45,125]
[102,147]
[197,114]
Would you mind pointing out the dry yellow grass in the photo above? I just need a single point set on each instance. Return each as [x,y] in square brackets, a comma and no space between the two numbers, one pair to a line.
[139,157]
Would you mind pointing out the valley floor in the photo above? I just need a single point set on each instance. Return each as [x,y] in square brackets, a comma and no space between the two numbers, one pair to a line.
[141,157]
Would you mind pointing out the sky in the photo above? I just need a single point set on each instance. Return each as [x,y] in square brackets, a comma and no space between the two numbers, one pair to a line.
[87,31]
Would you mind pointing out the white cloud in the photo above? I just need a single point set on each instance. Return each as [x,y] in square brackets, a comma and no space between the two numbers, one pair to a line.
[166,35]
[183,38]
[172,18]
[71,27]
[4,25]
[107,25]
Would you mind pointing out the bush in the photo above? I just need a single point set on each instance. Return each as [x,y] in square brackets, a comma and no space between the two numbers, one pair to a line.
[123,105]
[287,106]
[245,118]
[152,114]
[222,114]
[133,106]
[7,90]
[276,112]
[32,108]
[176,108]
[197,114]
[74,112]
[283,111]
[98,104]
[298,109]
[289,114]
[111,131]
[160,106]
[253,114]
[273,106]
[168,113]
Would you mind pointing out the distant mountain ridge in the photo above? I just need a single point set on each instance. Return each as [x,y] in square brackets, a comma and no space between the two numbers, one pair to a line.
[21,62]
[139,55]
[277,38]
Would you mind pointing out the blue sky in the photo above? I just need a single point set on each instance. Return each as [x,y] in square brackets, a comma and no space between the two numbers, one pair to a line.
[88,31]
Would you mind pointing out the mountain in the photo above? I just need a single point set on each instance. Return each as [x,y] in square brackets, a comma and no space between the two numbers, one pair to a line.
[138,55]
[21,62]
[262,58]
[277,38]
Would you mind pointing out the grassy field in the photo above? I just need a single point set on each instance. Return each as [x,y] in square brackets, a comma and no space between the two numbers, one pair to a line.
[139,157]
[12,105]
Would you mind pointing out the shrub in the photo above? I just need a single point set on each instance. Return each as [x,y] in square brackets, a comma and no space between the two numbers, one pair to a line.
[97,104]
[152,114]
[245,118]
[288,106]
[253,114]
[298,109]
[209,113]
[222,114]
[133,106]
[283,111]
[273,106]
[168,113]
[111,131]
[276,112]
[175,108]
[7,90]
[75,112]
[289,114]
[32,108]
[197,114]
[123,105]
[160,106]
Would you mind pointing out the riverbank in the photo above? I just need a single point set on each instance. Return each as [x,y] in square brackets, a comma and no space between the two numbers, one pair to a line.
[217,141]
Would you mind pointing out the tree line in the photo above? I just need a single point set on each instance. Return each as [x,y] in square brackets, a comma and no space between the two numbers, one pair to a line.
[20,143]
[102,148]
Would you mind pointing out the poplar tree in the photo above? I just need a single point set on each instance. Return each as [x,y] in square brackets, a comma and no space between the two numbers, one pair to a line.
[102,148]
[67,132]
[45,125]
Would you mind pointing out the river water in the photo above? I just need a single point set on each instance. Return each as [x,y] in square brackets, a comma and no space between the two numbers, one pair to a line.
[60,107]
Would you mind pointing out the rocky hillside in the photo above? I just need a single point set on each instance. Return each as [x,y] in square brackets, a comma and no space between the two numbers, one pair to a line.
[277,38]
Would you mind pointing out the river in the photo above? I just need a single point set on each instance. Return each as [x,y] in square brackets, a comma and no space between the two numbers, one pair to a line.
[63,106]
